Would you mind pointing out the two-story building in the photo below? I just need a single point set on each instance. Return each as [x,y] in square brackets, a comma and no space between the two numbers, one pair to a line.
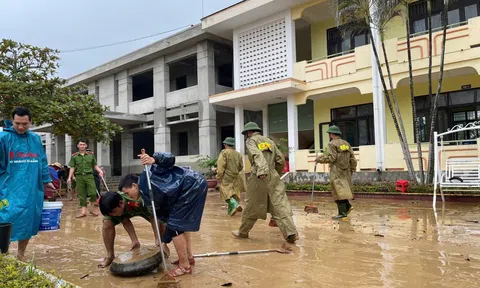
[159,94]
[297,72]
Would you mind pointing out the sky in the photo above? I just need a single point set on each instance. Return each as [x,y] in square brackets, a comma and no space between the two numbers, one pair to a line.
[68,25]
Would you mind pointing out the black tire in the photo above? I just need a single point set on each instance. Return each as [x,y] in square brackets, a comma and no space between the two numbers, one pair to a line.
[137,268]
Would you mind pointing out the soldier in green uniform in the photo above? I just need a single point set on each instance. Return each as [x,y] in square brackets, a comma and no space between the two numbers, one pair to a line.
[119,208]
[265,189]
[229,167]
[82,165]
[342,164]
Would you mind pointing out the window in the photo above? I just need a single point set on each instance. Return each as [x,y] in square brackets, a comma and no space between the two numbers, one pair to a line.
[143,140]
[455,108]
[458,12]
[183,73]
[182,143]
[181,82]
[115,94]
[97,93]
[338,43]
[355,123]
[142,86]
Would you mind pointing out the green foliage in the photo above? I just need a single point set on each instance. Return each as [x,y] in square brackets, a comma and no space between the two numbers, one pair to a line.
[281,147]
[207,163]
[380,187]
[28,78]
[15,274]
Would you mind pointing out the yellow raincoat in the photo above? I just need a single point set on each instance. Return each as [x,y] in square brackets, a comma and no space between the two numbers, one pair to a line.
[229,174]
[342,164]
[267,195]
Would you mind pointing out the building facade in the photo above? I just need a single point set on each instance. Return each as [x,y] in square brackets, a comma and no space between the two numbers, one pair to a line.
[159,94]
[291,60]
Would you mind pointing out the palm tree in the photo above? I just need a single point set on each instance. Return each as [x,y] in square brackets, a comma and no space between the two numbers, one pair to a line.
[406,4]
[434,105]
[355,16]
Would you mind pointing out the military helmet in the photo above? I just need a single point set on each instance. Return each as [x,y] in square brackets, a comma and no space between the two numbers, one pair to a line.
[229,141]
[251,126]
[334,130]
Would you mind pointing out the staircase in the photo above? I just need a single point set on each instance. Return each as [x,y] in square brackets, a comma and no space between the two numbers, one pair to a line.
[112,183]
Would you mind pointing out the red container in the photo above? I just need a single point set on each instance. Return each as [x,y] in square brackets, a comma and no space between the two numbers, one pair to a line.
[402,185]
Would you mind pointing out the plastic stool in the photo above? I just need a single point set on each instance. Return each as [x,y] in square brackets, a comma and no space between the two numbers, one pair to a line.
[402,185]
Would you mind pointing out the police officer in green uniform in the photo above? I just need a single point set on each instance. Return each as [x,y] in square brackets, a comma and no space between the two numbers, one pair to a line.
[82,165]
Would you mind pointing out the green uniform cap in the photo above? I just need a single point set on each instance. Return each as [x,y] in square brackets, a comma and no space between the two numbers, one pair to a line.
[251,126]
[334,130]
[229,141]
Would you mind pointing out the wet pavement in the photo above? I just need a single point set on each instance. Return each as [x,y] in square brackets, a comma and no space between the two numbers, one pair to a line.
[385,243]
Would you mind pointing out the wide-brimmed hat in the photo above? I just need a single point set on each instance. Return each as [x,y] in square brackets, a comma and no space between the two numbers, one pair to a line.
[230,141]
[57,164]
[334,130]
[251,126]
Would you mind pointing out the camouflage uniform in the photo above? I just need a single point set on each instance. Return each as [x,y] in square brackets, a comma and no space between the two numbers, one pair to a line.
[342,164]
[267,195]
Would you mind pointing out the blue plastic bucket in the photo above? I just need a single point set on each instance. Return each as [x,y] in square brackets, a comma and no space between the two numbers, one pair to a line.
[51,216]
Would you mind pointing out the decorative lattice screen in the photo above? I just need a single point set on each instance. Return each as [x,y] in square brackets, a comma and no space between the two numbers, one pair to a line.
[263,54]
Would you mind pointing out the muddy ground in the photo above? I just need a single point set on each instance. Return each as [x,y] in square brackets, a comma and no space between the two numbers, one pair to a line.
[386,243]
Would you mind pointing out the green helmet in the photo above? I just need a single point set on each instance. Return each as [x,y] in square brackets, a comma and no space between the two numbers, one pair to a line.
[251,126]
[334,130]
[229,141]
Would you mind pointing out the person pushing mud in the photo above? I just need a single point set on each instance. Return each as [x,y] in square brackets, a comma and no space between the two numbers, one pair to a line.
[265,189]
[342,164]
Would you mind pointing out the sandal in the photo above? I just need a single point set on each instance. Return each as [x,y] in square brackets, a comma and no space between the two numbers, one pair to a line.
[179,271]
[190,260]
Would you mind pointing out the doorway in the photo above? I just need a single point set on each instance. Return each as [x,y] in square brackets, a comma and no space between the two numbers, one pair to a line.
[226,131]
[116,156]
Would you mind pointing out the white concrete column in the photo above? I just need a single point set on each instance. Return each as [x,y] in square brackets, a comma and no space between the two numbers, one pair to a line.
[68,148]
[266,131]
[378,100]
[60,149]
[161,86]
[127,152]
[207,124]
[103,158]
[125,91]
[292,117]
[239,125]
[48,147]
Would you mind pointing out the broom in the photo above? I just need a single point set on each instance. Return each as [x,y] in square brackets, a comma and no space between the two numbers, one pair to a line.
[166,281]
[311,208]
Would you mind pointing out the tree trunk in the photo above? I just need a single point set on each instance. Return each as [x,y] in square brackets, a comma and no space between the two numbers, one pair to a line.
[412,98]
[439,89]
[430,93]
[389,102]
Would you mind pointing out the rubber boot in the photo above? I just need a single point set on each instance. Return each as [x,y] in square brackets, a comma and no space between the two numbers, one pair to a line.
[232,206]
[342,211]
[349,207]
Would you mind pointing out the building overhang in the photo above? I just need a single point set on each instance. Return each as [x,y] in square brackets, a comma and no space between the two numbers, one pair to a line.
[223,22]
[257,97]
[122,119]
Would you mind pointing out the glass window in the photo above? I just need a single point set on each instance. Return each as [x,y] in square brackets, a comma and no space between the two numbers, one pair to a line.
[344,113]
[436,21]
[462,97]
[454,16]
[360,40]
[471,11]
[363,132]
[365,110]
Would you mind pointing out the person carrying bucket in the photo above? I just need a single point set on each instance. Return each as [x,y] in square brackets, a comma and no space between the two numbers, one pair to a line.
[265,189]
[82,165]
[23,172]
[229,167]
[342,164]
[119,208]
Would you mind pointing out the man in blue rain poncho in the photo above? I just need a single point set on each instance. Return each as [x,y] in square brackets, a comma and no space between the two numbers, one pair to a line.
[179,196]
[23,172]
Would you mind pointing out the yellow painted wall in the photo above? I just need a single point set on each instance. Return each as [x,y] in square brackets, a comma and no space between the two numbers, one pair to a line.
[319,37]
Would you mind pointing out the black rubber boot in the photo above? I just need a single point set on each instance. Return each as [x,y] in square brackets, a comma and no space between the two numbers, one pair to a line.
[342,211]
[349,207]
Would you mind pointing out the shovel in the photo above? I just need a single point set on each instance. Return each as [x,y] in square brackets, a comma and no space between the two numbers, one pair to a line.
[311,208]
[167,280]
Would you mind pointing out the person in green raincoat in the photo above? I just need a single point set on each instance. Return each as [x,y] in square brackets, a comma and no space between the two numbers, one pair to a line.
[342,164]
[229,167]
[265,190]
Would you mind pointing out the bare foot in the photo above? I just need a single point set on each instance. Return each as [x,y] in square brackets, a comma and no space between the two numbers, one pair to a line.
[80,216]
[166,250]
[135,245]
[94,213]
[21,257]
[106,262]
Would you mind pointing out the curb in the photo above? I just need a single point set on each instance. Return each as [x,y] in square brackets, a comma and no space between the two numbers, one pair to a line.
[392,196]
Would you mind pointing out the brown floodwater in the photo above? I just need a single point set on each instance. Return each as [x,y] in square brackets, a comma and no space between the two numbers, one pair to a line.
[386,243]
